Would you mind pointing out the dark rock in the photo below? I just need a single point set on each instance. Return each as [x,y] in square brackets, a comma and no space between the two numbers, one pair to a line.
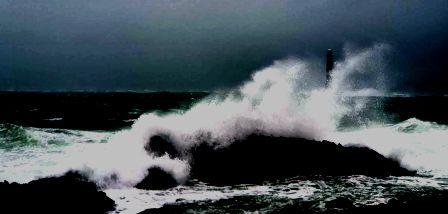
[157,179]
[160,145]
[70,193]
[259,158]
[340,203]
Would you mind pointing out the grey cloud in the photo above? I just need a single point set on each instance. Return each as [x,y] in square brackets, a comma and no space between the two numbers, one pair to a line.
[204,45]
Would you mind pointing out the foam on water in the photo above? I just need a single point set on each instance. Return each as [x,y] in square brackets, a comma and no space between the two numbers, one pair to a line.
[283,99]
[277,101]
[417,144]
[363,190]
[29,153]
[135,200]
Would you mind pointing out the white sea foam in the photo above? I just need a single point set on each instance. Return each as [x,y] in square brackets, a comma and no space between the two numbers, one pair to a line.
[275,101]
[278,100]
[417,144]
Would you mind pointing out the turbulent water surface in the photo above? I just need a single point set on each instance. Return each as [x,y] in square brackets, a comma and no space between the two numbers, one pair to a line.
[104,134]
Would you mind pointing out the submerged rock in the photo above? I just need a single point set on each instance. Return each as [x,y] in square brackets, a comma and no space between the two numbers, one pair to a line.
[157,179]
[70,193]
[160,145]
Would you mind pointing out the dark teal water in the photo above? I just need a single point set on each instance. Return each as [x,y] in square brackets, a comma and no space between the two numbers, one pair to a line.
[39,133]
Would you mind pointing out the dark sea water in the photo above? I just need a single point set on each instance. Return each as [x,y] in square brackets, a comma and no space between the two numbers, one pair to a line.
[117,110]
[44,134]
[88,111]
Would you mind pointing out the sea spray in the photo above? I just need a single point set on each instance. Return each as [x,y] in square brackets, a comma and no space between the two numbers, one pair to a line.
[275,102]
[418,144]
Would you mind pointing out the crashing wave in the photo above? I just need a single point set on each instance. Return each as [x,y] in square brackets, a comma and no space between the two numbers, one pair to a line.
[282,100]
[414,125]
[285,99]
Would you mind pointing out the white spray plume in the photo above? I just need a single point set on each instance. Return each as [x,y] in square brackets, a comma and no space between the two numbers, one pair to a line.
[279,100]
[276,101]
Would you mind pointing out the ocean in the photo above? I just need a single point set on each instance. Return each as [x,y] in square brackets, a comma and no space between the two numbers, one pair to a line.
[114,138]
[43,134]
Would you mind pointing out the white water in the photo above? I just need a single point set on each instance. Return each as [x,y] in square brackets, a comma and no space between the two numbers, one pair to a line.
[417,144]
[276,101]
[280,100]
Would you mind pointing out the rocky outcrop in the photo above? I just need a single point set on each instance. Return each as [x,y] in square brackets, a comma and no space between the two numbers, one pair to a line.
[70,193]
[160,145]
[157,179]
[258,158]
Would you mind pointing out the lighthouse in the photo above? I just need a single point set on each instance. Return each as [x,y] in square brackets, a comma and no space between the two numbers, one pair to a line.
[329,65]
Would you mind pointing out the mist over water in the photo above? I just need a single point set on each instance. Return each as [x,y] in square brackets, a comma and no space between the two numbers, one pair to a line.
[287,98]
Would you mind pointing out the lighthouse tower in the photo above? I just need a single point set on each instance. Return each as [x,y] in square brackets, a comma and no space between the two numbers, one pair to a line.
[329,65]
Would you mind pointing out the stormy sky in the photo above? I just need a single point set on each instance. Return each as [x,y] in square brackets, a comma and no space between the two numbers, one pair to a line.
[204,45]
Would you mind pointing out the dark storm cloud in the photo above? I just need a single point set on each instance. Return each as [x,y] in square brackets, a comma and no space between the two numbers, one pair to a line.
[203,45]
